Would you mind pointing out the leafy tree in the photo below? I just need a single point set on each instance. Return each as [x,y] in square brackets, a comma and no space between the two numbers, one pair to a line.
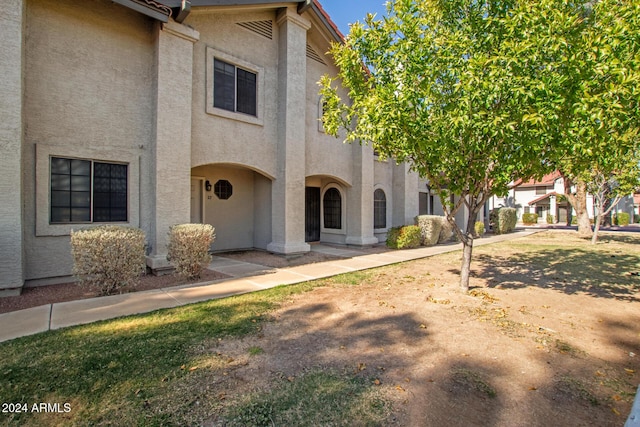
[586,55]
[608,190]
[443,85]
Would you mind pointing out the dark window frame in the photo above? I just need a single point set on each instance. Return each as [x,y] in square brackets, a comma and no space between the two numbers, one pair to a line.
[87,191]
[379,209]
[235,88]
[332,209]
[223,189]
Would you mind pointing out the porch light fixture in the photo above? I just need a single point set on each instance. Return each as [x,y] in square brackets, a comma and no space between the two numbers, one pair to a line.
[207,185]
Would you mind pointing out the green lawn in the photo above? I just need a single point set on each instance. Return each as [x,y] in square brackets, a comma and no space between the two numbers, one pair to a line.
[133,371]
[153,369]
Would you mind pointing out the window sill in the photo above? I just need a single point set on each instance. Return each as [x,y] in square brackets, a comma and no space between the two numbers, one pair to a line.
[240,117]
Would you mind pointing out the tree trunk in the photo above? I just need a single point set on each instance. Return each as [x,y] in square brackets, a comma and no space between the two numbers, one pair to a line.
[596,228]
[465,268]
[579,202]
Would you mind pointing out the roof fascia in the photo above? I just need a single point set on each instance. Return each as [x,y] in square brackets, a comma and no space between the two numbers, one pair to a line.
[157,13]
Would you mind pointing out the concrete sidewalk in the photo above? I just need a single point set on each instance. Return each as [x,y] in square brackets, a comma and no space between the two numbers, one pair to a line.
[245,277]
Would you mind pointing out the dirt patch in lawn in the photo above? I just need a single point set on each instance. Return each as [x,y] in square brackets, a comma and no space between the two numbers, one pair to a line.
[536,342]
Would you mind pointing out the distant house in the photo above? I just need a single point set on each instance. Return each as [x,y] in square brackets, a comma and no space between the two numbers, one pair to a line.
[545,197]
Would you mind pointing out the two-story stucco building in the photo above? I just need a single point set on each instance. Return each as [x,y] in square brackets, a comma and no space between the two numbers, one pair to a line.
[150,113]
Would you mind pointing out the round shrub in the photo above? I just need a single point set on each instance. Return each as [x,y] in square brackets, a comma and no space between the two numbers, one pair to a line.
[530,218]
[188,248]
[503,220]
[478,227]
[621,218]
[108,257]
[430,226]
[403,237]
[446,232]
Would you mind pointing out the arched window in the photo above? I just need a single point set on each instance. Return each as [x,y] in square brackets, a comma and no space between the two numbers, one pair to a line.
[332,206]
[379,209]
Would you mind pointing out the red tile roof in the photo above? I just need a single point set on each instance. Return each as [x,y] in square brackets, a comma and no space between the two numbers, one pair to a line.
[548,179]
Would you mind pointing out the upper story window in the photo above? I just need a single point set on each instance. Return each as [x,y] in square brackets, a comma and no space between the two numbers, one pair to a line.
[87,191]
[234,88]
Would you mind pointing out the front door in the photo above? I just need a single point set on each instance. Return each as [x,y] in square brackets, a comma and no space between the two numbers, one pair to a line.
[196,201]
[312,214]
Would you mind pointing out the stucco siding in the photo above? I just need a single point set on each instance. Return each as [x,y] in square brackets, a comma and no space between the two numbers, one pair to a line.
[232,218]
[325,154]
[11,247]
[88,80]
[218,139]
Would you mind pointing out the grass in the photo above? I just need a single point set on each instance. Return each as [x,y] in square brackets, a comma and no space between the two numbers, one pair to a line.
[330,399]
[113,369]
[150,370]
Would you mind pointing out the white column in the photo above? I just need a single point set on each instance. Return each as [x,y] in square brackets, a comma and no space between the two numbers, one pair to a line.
[288,189]
[171,153]
[11,246]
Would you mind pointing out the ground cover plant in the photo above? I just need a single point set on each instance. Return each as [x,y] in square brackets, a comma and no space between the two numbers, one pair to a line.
[548,335]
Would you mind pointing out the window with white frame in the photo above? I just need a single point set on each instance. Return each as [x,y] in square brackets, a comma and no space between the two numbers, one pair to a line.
[234,88]
[83,191]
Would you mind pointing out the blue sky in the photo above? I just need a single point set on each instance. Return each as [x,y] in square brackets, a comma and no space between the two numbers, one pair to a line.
[344,12]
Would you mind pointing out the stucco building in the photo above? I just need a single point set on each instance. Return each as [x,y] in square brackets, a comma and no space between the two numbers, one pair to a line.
[153,113]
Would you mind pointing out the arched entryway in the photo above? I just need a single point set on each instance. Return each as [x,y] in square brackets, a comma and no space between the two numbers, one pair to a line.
[234,199]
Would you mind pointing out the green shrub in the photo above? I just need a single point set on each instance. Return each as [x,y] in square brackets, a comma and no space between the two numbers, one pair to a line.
[530,218]
[551,219]
[574,220]
[430,226]
[188,248]
[446,232]
[503,220]
[108,257]
[621,218]
[406,237]
[479,229]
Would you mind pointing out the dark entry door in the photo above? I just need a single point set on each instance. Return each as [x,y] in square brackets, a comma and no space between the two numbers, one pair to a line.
[312,214]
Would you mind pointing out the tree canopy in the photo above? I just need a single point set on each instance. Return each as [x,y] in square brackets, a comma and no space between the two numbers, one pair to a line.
[440,85]
[474,94]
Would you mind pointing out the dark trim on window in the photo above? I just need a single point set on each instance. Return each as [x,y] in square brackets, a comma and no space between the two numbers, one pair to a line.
[379,209]
[332,209]
[84,191]
[234,89]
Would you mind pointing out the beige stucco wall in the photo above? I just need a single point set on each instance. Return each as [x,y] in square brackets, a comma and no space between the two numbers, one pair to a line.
[237,220]
[325,154]
[88,81]
[217,139]
[11,248]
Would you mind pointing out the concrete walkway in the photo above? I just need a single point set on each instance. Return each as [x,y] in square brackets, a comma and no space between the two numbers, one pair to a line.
[245,277]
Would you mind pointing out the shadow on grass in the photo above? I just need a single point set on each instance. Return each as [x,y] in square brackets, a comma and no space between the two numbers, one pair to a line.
[600,275]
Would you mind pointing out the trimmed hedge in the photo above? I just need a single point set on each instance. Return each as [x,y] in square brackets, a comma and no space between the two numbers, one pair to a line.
[621,218]
[405,237]
[108,257]
[530,218]
[430,226]
[446,232]
[188,248]
[479,229]
[503,220]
